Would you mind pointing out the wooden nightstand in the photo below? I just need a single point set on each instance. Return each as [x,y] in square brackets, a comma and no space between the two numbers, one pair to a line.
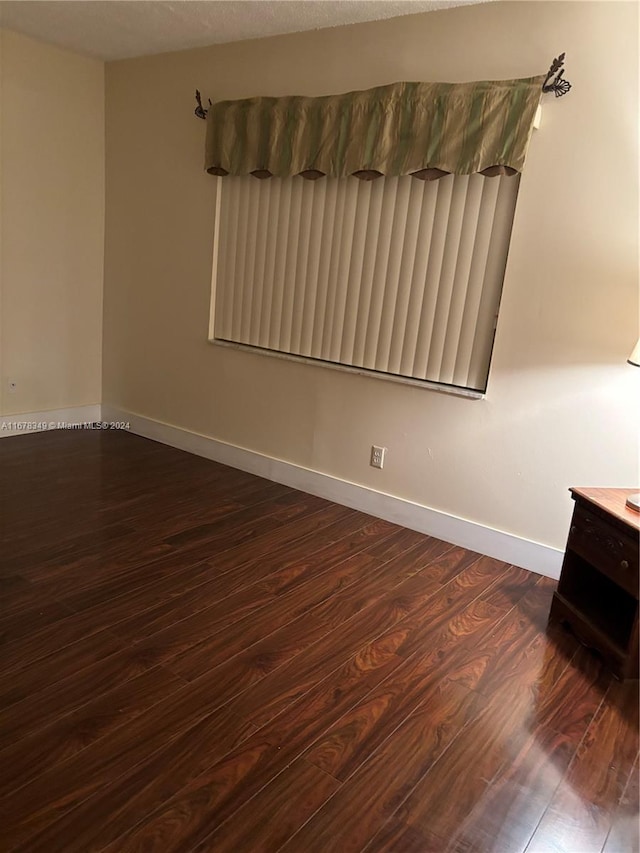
[597,593]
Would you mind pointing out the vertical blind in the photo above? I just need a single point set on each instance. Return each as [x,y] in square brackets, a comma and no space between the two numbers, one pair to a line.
[398,276]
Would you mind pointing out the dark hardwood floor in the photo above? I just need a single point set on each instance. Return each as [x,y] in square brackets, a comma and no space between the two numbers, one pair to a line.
[195,659]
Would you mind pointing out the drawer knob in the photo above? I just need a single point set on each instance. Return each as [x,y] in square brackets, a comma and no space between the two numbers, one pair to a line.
[573,528]
[624,564]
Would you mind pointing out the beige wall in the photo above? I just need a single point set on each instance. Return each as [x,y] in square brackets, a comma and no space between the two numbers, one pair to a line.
[561,408]
[52,241]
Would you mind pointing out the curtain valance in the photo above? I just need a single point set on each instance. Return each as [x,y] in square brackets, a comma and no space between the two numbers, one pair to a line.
[421,129]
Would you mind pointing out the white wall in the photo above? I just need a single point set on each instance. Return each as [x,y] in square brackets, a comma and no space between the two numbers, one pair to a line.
[562,405]
[52,235]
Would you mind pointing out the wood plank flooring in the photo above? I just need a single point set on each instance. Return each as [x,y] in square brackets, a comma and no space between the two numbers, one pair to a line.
[195,659]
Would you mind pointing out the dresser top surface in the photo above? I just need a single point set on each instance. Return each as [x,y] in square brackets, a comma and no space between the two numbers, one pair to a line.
[611,501]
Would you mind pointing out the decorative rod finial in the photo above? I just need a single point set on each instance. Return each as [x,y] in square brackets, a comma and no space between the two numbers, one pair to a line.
[200,111]
[559,85]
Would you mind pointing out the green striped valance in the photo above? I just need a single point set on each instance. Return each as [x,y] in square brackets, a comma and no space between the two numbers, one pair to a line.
[424,129]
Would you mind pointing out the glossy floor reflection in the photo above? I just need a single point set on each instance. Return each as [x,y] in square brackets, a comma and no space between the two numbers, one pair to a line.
[199,660]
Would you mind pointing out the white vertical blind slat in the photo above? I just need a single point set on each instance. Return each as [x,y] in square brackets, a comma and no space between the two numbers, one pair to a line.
[357,271]
[447,276]
[271,227]
[397,246]
[380,271]
[432,280]
[226,254]
[476,278]
[331,200]
[240,258]
[418,277]
[249,278]
[290,266]
[343,272]
[302,266]
[334,265]
[492,285]
[468,229]
[405,276]
[220,271]
[313,265]
[375,202]
[282,237]
[260,263]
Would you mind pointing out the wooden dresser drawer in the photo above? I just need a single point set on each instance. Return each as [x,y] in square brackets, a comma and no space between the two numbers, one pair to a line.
[597,594]
[606,548]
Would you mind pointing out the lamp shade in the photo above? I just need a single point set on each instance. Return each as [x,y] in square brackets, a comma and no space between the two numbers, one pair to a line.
[634,358]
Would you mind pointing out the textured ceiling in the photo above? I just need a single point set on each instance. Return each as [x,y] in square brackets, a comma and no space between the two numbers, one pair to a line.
[117,29]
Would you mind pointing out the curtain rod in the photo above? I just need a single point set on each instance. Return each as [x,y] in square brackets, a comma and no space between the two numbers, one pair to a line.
[553,82]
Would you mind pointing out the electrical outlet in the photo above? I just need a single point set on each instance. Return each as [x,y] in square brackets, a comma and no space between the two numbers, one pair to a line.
[13,386]
[377,456]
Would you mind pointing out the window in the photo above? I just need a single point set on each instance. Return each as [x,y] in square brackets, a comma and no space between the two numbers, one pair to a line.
[398,277]
[369,230]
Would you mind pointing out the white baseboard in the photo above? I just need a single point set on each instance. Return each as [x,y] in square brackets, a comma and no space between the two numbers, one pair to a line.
[536,557]
[52,419]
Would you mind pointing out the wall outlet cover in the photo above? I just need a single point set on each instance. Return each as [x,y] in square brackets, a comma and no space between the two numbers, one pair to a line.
[377,456]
